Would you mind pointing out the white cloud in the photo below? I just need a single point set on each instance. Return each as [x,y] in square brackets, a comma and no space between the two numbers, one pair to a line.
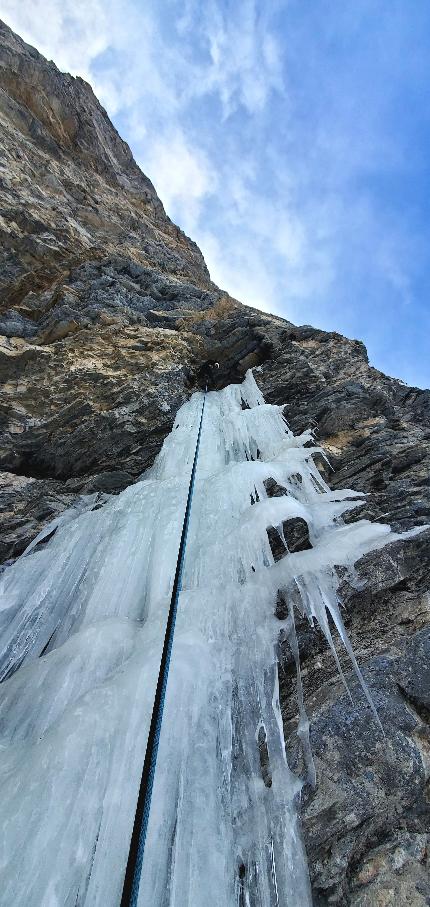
[184,176]
[72,33]
[244,274]
[245,62]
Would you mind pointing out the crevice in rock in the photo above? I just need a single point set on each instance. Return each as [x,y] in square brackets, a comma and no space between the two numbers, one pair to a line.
[293,537]
[420,710]
[273,490]
[264,757]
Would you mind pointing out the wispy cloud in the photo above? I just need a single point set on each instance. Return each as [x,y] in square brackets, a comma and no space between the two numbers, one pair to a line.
[185,176]
[72,34]
[244,64]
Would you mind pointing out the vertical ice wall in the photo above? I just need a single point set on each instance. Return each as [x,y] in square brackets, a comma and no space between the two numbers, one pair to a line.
[82,620]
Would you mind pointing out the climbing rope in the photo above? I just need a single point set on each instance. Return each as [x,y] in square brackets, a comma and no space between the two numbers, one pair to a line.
[133,872]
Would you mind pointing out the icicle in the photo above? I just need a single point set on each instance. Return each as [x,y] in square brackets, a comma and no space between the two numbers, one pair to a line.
[303,726]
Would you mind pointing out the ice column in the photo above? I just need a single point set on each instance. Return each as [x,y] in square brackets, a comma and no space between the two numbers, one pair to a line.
[82,618]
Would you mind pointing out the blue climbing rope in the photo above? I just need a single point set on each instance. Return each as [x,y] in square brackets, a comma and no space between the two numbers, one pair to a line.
[133,871]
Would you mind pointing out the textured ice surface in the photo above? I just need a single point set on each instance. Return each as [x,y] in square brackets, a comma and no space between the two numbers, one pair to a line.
[82,618]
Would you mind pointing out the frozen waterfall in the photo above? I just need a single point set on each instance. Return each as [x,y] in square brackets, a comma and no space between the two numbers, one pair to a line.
[82,619]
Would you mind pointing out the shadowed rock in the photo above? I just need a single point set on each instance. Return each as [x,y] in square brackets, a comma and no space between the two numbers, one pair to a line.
[296,534]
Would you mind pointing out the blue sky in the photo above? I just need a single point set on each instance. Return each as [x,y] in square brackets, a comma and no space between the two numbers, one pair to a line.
[289,138]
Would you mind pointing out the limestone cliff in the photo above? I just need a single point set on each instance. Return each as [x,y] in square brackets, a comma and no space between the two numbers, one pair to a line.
[107,312]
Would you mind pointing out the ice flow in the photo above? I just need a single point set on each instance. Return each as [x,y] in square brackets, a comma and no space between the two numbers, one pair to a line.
[82,619]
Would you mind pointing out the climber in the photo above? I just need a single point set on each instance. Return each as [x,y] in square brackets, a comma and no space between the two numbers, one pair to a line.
[205,374]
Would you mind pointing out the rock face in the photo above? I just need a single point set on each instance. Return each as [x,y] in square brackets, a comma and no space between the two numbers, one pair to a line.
[107,313]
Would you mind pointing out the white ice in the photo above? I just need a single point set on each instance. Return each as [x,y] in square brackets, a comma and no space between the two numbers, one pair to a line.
[82,618]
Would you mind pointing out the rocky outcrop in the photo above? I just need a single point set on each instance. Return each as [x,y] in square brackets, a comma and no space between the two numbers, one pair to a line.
[366,824]
[107,313]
